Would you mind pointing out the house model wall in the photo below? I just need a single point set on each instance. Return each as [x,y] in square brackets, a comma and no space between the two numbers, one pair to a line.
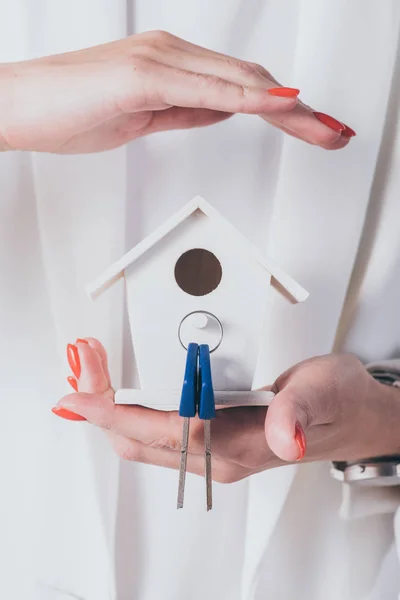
[194,252]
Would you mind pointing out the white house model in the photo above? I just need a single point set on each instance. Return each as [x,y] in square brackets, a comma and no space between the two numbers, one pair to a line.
[195,279]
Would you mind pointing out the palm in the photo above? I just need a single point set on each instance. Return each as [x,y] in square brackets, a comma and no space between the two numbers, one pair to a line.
[122,129]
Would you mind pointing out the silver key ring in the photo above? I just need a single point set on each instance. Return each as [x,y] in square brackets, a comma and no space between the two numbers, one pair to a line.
[202,312]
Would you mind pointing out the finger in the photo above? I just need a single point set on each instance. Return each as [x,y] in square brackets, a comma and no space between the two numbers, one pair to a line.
[132,450]
[342,141]
[285,424]
[234,431]
[173,44]
[306,396]
[87,366]
[226,69]
[128,127]
[101,351]
[151,427]
[304,123]
[282,112]
[184,118]
[238,436]
[153,442]
[155,86]
[202,60]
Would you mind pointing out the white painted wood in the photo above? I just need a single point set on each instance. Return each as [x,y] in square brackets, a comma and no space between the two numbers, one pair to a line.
[208,332]
[116,270]
[156,306]
[232,236]
[199,320]
[169,400]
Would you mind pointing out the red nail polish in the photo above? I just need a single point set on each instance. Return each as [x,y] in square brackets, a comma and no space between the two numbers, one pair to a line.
[284,92]
[67,414]
[348,132]
[330,122]
[81,341]
[73,383]
[73,359]
[300,440]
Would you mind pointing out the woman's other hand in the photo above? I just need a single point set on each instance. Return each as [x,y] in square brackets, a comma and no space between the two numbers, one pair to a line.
[325,408]
[102,97]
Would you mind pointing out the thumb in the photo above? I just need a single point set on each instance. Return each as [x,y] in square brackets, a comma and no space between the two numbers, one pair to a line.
[286,424]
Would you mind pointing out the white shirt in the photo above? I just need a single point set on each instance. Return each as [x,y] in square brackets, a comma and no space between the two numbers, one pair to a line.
[75,522]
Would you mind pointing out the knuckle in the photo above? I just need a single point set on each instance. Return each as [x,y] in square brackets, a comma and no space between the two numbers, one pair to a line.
[260,70]
[246,68]
[250,68]
[158,37]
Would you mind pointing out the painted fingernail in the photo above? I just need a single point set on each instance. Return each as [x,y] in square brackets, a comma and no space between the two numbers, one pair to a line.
[67,414]
[73,383]
[348,132]
[73,359]
[300,440]
[284,92]
[330,122]
[81,341]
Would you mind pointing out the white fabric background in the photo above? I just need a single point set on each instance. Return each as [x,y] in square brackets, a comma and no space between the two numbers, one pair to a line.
[74,521]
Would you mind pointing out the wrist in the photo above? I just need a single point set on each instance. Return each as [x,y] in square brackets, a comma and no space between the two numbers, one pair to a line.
[8,76]
[380,423]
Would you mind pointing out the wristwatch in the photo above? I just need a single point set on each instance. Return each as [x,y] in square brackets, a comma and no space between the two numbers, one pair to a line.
[376,471]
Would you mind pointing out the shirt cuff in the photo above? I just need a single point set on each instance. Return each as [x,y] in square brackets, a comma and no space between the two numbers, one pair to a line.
[360,501]
[363,501]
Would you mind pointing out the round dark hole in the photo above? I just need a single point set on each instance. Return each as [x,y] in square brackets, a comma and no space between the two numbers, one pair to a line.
[198,272]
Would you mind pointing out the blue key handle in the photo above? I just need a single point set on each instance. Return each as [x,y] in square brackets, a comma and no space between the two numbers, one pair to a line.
[188,403]
[206,391]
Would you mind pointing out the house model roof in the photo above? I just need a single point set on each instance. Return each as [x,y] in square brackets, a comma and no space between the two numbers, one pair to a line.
[283,282]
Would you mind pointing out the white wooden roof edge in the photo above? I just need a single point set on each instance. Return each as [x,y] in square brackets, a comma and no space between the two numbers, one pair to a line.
[116,270]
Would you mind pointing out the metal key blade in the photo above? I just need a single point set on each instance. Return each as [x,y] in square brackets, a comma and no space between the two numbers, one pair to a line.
[182,466]
[207,456]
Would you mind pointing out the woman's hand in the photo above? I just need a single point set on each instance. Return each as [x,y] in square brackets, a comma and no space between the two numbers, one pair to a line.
[326,408]
[102,97]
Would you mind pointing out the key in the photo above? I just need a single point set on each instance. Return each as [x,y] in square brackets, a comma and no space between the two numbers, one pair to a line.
[206,412]
[187,409]
[197,397]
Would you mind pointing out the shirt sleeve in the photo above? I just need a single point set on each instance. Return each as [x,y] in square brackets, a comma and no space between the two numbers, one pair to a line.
[365,500]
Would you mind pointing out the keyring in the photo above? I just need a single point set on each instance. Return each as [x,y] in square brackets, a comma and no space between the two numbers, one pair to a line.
[208,314]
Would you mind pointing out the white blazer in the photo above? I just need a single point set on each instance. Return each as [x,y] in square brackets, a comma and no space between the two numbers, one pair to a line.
[75,522]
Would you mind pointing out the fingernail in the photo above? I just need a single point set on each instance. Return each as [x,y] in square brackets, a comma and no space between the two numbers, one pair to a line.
[67,414]
[81,341]
[300,440]
[330,122]
[348,132]
[284,92]
[73,359]
[73,383]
